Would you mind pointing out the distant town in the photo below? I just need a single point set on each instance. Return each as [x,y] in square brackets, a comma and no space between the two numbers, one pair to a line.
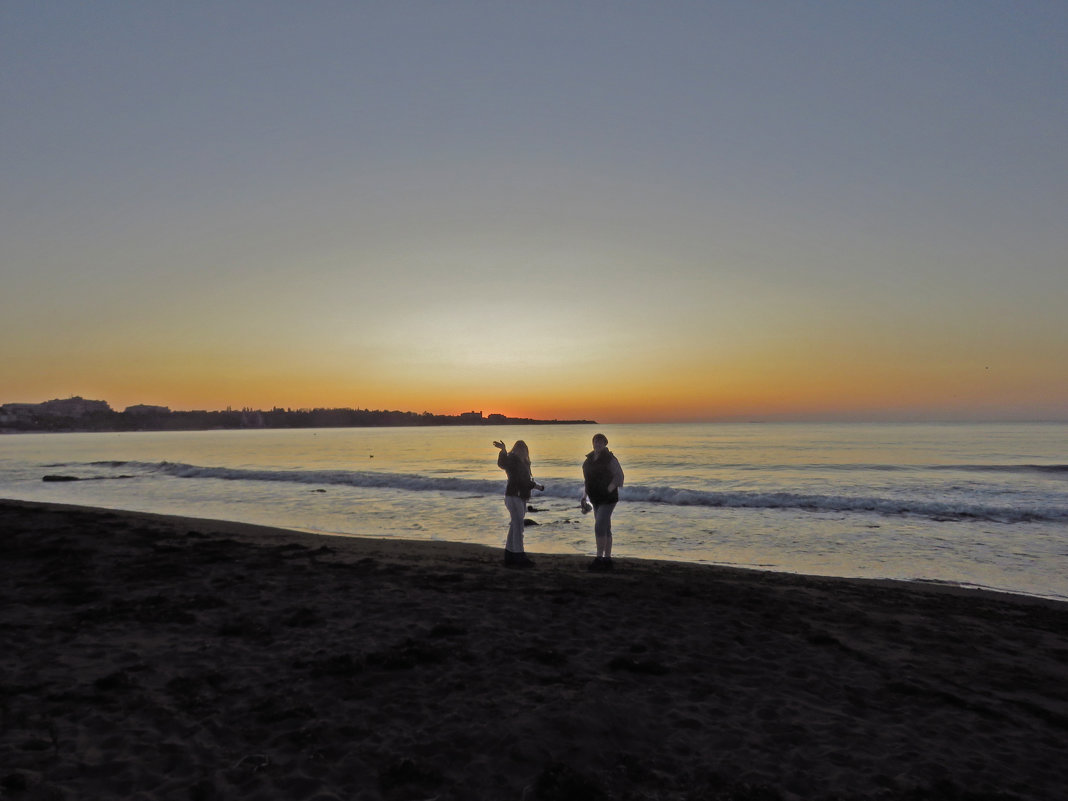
[79,414]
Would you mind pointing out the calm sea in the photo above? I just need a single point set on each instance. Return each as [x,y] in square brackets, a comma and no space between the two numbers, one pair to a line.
[975,505]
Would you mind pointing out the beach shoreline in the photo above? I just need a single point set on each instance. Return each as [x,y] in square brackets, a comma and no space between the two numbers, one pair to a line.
[151,656]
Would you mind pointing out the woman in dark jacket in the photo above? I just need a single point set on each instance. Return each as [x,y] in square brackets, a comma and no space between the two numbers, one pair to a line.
[603,477]
[520,482]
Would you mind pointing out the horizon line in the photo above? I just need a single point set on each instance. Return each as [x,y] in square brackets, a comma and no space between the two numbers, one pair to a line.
[810,418]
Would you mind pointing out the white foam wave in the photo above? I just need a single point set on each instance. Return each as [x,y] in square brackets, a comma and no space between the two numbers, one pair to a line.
[351,478]
[672,496]
[938,510]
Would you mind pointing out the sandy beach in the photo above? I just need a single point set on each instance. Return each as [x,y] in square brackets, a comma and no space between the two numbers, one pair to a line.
[148,657]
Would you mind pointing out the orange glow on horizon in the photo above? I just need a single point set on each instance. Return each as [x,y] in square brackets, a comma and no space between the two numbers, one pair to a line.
[697,387]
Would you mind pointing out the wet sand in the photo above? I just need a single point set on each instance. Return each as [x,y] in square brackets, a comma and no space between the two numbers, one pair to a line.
[148,657]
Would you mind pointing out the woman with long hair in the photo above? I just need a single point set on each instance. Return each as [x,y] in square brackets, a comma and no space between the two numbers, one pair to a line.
[516,463]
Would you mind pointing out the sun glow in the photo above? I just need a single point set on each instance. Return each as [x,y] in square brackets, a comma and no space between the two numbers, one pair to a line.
[774,244]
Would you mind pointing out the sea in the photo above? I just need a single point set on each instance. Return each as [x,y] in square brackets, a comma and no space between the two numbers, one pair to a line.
[973,505]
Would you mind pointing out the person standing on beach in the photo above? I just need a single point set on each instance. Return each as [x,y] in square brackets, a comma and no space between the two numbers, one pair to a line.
[516,463]
[603,477]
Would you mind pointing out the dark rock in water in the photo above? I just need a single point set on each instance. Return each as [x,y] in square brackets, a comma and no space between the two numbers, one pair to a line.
[60,478]
[528,522]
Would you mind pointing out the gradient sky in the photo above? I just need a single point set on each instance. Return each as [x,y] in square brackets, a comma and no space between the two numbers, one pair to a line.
[618,210]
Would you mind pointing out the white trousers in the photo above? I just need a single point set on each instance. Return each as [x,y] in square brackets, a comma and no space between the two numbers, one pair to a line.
[517,509]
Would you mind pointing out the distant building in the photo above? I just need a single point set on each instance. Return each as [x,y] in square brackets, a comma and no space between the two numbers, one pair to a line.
[496,418]
[471,417]
[145,410]
[250,418]
[72,407]
[31,414]
[60,407]
[12,413]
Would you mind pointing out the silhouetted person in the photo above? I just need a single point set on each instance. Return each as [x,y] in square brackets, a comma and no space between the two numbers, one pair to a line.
[516,464]
[603,477]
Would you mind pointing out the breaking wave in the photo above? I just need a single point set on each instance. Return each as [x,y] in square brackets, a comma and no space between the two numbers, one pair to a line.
[948,509]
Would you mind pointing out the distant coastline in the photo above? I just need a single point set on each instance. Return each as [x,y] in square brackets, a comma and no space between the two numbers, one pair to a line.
[77,414]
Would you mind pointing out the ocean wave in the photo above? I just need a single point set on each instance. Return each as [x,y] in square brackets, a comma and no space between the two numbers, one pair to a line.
[350,478]
[1005,468]
[935,510]
[850,467]
[949,509]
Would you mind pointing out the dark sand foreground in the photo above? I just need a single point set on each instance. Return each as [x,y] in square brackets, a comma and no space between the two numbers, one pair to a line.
[146,657]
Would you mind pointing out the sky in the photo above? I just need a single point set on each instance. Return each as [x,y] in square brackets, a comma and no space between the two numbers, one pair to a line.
[620,211]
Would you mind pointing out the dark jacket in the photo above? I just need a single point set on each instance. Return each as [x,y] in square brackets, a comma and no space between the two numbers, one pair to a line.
[520,481]
[599,473]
